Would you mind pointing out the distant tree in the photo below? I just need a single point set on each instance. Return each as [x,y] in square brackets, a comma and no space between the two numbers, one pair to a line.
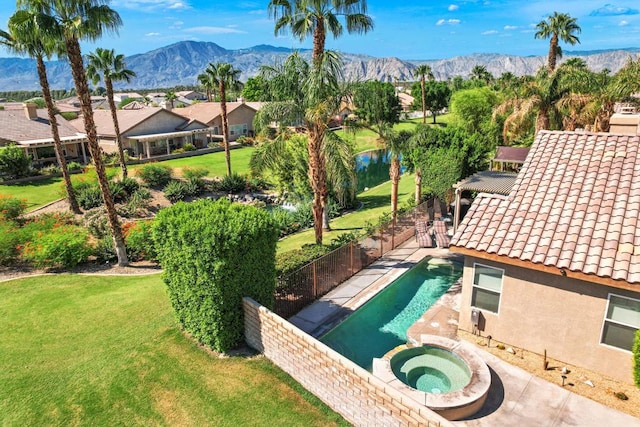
[559,26]
[377,106]
[170,97]
[106,65]
[424,71]
[436,96]
[473,108]
[256,89]
[206,81]
[479,73]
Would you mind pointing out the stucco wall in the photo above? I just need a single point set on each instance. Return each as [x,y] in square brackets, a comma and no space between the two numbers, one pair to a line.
[541,311]
[241,115]
[358,396]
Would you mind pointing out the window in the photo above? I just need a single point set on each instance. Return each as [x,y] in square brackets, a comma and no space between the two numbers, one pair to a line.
[238,129]
[487,286]
[621,321]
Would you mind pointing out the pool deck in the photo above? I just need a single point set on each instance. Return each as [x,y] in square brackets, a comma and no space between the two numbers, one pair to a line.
[516,397]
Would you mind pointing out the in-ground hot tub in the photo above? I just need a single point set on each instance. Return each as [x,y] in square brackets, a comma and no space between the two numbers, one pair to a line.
[443,374]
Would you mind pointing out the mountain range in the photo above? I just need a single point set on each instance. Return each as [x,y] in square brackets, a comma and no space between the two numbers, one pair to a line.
[180,63]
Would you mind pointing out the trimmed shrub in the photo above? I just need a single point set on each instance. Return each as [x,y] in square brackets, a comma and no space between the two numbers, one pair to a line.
[50,170]
[139,240]
[175,191]
[104,250]
[74,165]
[14,163]
[61,247]
[196,172]
[636,359]
[155,175]
[214,254]
[290,261]
[88,195]
[11,208]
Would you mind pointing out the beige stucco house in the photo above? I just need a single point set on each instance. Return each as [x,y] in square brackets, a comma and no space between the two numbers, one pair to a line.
[30,129]
[147,132]
[555,264]
[239,114]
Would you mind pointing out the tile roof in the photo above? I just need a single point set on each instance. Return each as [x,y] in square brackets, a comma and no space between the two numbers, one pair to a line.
[206,112]
[16,127]
[575,205]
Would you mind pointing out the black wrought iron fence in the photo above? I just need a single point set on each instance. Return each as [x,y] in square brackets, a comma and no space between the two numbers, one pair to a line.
[305,285]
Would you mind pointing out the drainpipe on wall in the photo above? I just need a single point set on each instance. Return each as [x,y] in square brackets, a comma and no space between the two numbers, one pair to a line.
[456,217]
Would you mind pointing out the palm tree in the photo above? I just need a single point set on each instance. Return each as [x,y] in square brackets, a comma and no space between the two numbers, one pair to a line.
[112,68]
[204,79]
[225,77]
[424,71]
[315,18]
[23,38]
[170,97]
[481,74]
[71,21]
[396,143]
[559,26]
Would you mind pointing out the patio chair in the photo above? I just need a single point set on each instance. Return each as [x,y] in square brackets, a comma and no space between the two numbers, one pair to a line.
[442,236]
[423,234]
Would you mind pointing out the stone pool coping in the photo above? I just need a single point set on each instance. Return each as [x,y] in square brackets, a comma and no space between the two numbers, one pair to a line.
[454,405]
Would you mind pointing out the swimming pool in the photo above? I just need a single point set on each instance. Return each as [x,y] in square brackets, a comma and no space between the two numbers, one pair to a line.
[381,324]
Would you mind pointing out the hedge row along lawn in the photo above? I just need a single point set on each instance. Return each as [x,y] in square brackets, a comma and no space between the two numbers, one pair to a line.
[96,350]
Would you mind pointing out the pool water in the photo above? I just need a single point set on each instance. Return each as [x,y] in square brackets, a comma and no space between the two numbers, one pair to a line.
[381,324]
[430,369]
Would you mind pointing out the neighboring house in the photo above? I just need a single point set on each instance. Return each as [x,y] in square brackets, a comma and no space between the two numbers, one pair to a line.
[191,95]
[555,265]
[406,101]
[239,114]
[121,96]
[30,129]
[147,132]
[509,158]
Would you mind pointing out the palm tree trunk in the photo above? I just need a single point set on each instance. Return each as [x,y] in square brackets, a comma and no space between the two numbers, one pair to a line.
[57,145]
[553,49]
[603,117]
[394,175]
[418,190]
[542,120]
[116,126]
[424,101]
[225,127]
[82,88]
[318,177]
[319,37]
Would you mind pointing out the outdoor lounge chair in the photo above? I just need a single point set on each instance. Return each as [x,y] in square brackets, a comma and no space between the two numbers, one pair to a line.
[441,234]
[423,234]
[440,231]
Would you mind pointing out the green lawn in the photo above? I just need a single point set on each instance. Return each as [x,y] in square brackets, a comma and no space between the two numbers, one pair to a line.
[42,192]
[214,162]
[103,351]
[375,203]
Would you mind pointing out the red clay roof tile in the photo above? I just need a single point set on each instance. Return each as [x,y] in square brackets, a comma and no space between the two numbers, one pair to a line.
[575,204]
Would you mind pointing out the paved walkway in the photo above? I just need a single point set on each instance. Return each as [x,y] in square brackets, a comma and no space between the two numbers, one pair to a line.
[516,397]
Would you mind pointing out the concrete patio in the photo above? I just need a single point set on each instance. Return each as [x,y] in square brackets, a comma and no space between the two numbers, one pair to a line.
[516,397]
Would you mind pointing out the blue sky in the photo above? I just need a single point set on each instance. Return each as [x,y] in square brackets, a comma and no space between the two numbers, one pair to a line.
[407,30]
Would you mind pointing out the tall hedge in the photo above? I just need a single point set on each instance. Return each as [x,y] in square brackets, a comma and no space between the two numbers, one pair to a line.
[636,359]
[214,254]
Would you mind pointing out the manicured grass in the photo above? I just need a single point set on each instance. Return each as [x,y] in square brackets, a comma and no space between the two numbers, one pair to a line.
[39,193]
[375,203]
[214,162]
[90,350]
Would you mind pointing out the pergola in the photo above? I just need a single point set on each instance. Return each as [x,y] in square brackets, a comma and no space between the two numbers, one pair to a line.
[493,182]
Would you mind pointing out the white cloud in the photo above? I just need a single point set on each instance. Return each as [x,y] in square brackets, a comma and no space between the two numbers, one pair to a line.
[152,5]
[453,7]
[447,21]
[212,30]
[152,34]
[623,23]
[489,33]
[511,27]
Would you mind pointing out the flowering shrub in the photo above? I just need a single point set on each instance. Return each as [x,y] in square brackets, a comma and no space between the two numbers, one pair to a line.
[9,242]
[62,246]
[10,207]
[139,240]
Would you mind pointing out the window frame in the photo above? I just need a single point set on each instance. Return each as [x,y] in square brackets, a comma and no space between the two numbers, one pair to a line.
[474,285]
[605,320]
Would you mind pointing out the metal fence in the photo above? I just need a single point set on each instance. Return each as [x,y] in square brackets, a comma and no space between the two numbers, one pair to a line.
[303,286]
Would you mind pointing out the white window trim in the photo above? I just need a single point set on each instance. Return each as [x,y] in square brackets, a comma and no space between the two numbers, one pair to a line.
[605,320]
[473,285]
